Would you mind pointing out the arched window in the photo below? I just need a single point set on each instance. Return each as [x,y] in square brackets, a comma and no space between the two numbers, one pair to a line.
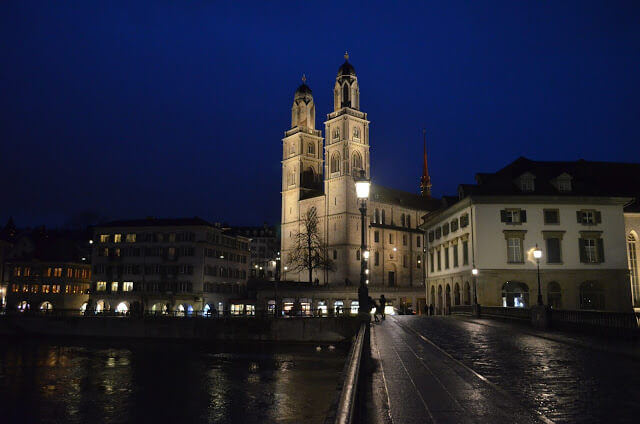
[402,220]
[467,293]
[554,295]
[311,149]
[383,220]
[456,294]
[591,295]
[632,251]
[515,294]
[358,254]
[376,216]
[335,162]
[357,161]
[308,178]
[345,95]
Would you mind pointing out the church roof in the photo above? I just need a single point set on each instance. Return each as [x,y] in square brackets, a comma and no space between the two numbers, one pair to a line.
[304,89]
[402,198]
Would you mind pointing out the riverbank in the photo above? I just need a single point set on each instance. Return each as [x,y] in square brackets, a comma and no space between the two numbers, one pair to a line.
[320,330]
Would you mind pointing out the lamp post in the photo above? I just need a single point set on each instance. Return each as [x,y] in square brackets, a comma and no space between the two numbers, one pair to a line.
[537,254]
[474,272]
[363,184]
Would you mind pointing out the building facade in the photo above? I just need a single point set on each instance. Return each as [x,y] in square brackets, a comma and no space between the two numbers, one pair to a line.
[320,175]
[496,224]
[180,266]
[265,250]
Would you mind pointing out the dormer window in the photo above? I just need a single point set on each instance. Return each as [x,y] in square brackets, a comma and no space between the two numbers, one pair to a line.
[563,183]
[526,182]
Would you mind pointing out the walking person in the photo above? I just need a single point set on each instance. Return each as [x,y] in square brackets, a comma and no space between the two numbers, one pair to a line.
[372,305]
[383,303]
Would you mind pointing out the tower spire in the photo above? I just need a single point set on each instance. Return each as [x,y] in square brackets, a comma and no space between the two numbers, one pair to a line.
[425,181]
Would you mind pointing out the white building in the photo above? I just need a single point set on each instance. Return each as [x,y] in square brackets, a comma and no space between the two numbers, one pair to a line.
[497,223]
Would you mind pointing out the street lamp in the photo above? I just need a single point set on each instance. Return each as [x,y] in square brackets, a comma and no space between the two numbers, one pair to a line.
[474,272]
[363,184]
[537,254]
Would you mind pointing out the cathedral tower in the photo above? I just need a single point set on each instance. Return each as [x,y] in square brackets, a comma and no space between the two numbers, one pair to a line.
[346,153]
[301,158]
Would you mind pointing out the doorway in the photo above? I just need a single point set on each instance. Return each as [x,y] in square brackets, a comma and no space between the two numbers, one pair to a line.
[392,279]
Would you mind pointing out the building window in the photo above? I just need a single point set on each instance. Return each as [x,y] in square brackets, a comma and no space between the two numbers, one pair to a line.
[465,252]
[464,220]
[455,255]
[554,255]
[311,149]
[404,261]
[589,217]
[402,220]
[336,133]
[591,249]
[439,261]
[358,255]
[55,288]
[57,272]
[438,233]
[335,254]
[592,295]
[376,216]
[376,236]
[527,183]
[104,238]
[513,216]
[390,238]
[383,217]
[454,225]
[431,260]
[551,216]
[356,133]
[357,161]
[432,236]
[446,257]
[376,257]
[418,242]
[404,239]
[563,183]
[46,288]
[114,286]
[445,229]
[408,221]
[117,238]
[127,286]
[131,238]
[335,163]
[514,250]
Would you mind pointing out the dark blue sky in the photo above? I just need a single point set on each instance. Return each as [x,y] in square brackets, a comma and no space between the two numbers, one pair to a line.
[172,109]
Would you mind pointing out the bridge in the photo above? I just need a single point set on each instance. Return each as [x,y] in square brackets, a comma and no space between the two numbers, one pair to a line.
[462,369]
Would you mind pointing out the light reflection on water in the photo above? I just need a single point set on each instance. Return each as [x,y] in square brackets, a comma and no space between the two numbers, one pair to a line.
[48,383]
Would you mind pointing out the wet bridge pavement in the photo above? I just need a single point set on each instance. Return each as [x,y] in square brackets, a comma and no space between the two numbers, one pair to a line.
[459,370]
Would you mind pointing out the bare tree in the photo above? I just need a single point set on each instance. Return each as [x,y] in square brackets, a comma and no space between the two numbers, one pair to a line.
[309,252]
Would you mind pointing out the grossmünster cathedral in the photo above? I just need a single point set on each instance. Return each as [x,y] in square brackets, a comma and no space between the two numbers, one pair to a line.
[320,174]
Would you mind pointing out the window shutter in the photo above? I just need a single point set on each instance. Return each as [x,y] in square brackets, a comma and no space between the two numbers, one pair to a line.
[598,217]
[583,253]
[523,215]
[601,250]
[503,216]
[579,217]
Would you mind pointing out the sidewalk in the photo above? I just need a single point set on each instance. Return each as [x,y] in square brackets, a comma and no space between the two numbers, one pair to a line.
[426,385]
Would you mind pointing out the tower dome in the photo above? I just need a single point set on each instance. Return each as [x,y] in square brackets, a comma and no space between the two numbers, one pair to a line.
[346,69]
[303,91]
[303,112]
[346,92]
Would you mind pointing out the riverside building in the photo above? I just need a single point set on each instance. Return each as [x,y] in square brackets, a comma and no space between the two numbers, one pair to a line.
[573,211]
[320,174]
[179,266]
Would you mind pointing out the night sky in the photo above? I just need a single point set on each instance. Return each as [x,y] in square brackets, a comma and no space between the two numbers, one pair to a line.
[171,109]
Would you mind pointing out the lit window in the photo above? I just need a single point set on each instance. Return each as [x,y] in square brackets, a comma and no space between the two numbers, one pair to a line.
[514,250]
[527,183]
[131,238]
[114,286]
[117,238]
[104,238]
[55,288]
[46,288]
[101,286]
[127,286]
[57,272]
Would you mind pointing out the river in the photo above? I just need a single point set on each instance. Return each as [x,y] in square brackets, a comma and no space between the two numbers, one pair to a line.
[45,381]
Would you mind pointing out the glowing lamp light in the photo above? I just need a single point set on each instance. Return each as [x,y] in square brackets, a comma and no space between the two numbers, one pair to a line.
[286,268]
[366,282]
[366,254]
[474,271]
[90,241]
[537,253]
[255,266]
[362,186]
[395,249]
[366,271]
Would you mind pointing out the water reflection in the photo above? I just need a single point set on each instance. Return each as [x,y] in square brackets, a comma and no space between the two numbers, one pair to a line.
[48,383]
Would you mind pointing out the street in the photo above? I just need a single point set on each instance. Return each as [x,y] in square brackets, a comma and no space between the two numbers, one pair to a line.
[448,369]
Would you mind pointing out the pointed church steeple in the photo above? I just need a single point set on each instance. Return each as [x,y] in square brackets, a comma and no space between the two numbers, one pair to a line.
[425,181]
